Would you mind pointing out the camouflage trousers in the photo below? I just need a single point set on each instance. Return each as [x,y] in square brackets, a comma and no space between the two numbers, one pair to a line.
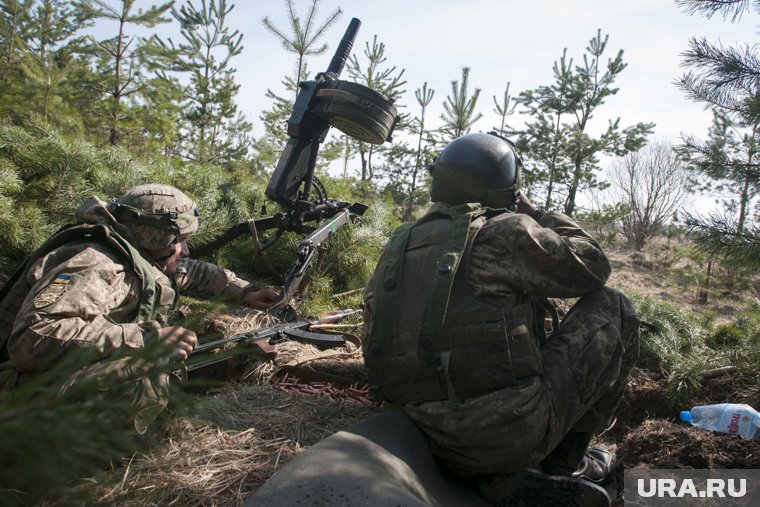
[547,418]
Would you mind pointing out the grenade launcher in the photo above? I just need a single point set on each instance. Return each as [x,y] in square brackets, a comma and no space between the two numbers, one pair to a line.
[325,101]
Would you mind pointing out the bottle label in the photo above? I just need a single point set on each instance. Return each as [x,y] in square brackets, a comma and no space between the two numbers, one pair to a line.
[737,422]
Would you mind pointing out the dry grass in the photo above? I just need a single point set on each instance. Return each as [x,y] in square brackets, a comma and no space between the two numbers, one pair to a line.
[655,273]
[259,429]
[243,432]
[265,419]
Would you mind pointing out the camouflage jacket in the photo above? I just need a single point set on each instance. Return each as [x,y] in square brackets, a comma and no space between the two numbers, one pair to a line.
[84,295]
[514,253]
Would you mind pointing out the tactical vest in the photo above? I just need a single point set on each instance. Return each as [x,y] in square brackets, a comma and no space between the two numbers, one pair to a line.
[14,292]
[431,339]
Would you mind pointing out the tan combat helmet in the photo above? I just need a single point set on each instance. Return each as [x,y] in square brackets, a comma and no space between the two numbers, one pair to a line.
[155,214]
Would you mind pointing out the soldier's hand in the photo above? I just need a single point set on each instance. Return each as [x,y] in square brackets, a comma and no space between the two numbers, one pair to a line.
[262,299]
[526,207]
[179,338]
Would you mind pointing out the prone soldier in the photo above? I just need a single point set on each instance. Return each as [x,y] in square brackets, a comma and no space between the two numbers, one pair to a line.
[107,285]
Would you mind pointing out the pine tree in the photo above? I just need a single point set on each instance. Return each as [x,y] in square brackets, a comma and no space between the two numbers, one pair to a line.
[503,108]
[386,80]
[122,60]
[724,78]
[404,163]
[213,130]
[591,86]
[275,120]
[305,36]
[559,137]
[425,143]
[459,108]
[727,81]
[303,41]
[542,143]
[14,27]
[158,113]
[52,42]
[727,163]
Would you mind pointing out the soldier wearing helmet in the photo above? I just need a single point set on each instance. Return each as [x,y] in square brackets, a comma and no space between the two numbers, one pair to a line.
[108,284]
[455,331]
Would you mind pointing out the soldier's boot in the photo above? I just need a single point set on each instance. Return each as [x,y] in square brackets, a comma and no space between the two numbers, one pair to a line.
[597,466]
[573,457]
[533,488]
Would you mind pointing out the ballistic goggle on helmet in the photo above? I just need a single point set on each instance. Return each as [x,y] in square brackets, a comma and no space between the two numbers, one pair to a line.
[482,168]
[155,214]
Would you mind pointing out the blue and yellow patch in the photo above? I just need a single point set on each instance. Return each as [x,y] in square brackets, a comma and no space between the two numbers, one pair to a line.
[53,292]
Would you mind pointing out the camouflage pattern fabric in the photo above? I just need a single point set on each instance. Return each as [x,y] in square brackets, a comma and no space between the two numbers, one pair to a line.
[585,362]
[94,310]
[84,295]
[154,202]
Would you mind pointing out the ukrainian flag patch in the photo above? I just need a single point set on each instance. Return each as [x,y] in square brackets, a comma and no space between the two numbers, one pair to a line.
[53,292]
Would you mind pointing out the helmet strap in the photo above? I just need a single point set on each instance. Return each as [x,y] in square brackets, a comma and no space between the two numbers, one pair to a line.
[125,213]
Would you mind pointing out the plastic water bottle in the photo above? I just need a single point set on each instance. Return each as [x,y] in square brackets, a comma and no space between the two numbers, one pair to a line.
[731,418]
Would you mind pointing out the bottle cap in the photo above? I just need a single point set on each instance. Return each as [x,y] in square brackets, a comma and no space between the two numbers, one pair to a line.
[685,416]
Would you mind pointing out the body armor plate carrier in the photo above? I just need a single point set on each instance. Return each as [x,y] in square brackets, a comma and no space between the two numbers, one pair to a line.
[431,338]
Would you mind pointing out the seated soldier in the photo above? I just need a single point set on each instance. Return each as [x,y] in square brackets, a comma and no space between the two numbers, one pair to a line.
[108,284]
[454,328]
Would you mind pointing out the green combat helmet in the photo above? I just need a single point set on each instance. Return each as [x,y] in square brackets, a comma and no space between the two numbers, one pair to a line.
[155,214]
[482,168]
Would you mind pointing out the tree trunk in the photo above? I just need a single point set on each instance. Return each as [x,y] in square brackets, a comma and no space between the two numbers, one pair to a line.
[114,135]
[745,197]
[363,158]
[553,163]
[346,154]
[570,203]
[702,293]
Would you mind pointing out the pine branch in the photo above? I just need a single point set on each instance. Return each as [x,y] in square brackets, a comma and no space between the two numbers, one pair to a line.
[728,69]
[719,235]
[730,9]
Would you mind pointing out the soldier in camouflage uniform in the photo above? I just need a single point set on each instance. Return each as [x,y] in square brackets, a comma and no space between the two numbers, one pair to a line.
[107,285]
[454,327]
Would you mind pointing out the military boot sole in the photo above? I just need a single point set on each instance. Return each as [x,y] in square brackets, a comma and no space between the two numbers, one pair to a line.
[540,490]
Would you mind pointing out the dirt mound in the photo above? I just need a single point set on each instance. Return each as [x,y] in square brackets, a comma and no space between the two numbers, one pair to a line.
[648,434]
[658,443]
[643,399]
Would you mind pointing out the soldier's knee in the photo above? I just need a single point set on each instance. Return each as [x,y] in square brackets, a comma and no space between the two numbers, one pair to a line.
[615,298]
[629,322]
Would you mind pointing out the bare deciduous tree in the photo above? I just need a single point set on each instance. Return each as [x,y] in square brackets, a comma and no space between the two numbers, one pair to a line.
[652,183]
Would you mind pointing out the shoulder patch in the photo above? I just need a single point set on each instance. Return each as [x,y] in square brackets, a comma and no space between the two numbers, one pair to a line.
[52,292]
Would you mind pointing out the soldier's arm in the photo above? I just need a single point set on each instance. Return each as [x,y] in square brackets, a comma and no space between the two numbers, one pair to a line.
[77,305]
[206,279]
[550,257]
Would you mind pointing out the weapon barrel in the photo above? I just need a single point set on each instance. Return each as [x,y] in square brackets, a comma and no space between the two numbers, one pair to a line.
[249,336]
[344,48]
[333,317]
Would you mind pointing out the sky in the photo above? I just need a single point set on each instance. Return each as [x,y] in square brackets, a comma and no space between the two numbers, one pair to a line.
[501,41]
